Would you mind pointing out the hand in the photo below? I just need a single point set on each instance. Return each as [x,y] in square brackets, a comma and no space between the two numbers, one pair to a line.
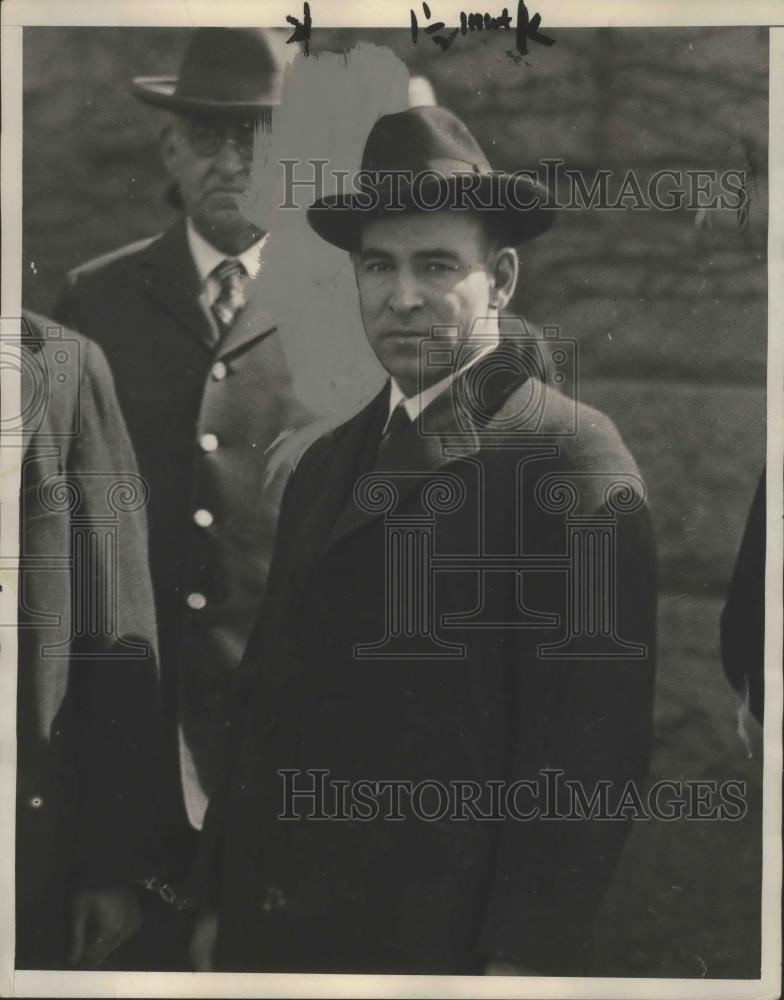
[202,947]
[503,967]
[101,920]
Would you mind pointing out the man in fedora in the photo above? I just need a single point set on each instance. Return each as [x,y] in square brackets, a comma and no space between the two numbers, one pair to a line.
[205,391]
[430,639]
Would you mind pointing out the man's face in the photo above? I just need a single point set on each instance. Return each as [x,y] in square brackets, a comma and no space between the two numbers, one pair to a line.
[209,159]
[418,270]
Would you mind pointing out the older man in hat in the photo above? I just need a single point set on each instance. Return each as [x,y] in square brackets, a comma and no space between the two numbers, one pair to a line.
[459,626]
[205,391]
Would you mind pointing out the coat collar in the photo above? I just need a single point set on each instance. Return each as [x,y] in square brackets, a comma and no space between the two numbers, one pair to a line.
[172,279]
[448,430]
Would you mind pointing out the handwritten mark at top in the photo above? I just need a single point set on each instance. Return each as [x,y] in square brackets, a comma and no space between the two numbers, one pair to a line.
[526,27]
[302,28]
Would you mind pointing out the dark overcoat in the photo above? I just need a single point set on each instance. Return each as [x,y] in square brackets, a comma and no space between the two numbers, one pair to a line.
[436,671]
[87,685]
[141,305]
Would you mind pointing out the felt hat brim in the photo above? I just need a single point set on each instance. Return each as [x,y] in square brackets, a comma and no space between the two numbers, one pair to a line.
[160,92]
[517,213]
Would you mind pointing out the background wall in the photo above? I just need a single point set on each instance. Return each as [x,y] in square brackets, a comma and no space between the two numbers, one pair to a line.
[669,310]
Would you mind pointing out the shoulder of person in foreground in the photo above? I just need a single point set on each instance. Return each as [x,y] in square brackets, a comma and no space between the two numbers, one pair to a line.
[590,448]
[590,439]
[54,374]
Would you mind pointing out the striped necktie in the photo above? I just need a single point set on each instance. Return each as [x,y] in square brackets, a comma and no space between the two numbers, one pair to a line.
[230,275]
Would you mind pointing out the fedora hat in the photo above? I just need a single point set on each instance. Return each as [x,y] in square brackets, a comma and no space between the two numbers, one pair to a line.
[224,71]
[442,166]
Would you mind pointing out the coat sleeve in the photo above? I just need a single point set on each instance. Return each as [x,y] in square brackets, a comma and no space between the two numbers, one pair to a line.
[590,718]
[114,646]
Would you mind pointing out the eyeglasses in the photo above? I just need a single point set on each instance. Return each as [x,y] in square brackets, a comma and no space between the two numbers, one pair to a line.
[207,138]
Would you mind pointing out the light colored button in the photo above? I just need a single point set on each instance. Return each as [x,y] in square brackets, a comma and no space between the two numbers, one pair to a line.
[36,802]
[208,442]
[218,371]
[203,518]
[196,601]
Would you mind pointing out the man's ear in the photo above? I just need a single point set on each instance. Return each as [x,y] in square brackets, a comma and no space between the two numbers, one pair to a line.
[168,143]
[504,267]
[354,257]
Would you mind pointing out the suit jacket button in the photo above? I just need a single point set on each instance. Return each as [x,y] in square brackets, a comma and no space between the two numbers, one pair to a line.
[196,601]
[218,371]
[35,802]
[208,442]
[203,517]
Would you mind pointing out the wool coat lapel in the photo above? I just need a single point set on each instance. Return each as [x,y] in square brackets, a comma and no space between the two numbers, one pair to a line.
[170,276]
[348,452]
[251,323]
[447,430]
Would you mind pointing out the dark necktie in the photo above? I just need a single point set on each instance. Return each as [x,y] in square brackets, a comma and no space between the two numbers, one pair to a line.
[231,298]
[398,423]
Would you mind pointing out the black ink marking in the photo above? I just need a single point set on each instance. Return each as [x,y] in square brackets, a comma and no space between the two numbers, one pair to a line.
[526,27]
[529,29]
[485,22]
[302,28]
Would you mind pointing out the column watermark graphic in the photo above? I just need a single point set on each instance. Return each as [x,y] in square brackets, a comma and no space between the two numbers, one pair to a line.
[586,506]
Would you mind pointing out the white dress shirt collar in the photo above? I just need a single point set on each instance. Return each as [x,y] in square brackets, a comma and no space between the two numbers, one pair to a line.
[416,404]
[206,257]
